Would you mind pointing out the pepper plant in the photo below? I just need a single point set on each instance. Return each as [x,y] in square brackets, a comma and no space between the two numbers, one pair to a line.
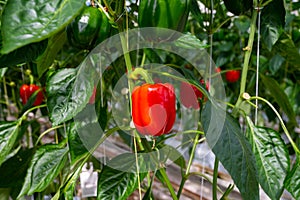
[73,77]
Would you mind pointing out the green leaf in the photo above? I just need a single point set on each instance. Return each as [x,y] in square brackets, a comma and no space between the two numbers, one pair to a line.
[272,22]
[287,49]
[68,92]
[116,184]
[272,158]
[292,182]
[189,41]
[275,63]
[2,72]
[8,135]
[55,44]
[76,146]
[232,149]
[280,97]
[45,165]
[28,21]
[14,169]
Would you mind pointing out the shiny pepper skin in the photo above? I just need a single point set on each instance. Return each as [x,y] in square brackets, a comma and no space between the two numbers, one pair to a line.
[232,76]
[171,14]
[83,30]
[153,108]
[190,95]
[27,90]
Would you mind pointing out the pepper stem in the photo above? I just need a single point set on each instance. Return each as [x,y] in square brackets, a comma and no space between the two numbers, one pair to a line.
[144,73]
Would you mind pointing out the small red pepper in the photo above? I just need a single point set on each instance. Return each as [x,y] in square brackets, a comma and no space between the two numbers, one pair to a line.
[232,76]
[189,95]
[27,90]
[153,108]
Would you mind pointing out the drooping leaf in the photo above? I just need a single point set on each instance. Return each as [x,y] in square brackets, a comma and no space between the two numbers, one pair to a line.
[280,97]
[45,165]
[117,184]
[55,44]
[272,158]
[272,22]
[8,136]
[68,92]
[232,148]
[14,169]
[27,21]
[292,182]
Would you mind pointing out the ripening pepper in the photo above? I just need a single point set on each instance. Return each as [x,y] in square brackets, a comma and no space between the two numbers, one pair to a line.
[170,14]
[153,108]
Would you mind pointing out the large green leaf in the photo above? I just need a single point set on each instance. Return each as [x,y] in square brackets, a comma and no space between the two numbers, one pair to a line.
[232,149]
[15,169]
[68,92]
[292,182]
[8,136]
[28,21]
[117,184]
[272,159]
[45,165]
[280,97]
[272,22]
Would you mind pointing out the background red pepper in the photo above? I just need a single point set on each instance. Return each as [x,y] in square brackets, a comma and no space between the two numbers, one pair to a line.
[232,76]
[27,90]
[190,95]
[153,108]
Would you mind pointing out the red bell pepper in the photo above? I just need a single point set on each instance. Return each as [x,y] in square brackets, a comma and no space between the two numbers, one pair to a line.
[27,90]
[153,108]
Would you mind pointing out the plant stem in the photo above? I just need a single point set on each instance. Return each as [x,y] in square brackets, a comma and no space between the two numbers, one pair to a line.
[33,108]
[161,170]
[248,52]
[215,179]
[47,131]
[192,155]
[168,183]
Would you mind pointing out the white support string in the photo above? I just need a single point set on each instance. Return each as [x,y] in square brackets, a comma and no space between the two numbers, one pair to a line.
[258,9]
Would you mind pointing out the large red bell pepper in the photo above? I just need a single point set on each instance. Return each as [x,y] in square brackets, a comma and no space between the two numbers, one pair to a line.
[153,108]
